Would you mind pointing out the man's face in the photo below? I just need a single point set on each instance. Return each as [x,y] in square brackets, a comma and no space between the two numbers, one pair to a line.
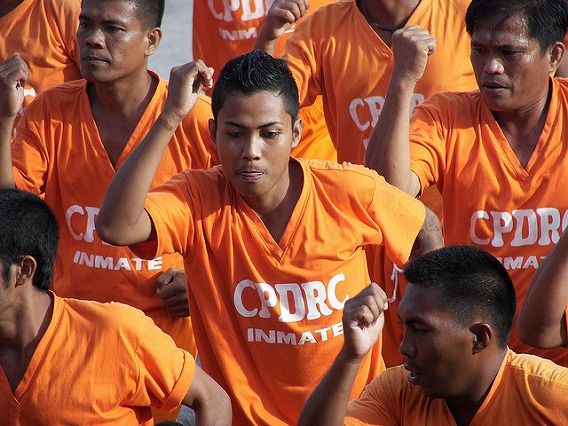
[254,136]
[112,41]
[511,70]
[437,347]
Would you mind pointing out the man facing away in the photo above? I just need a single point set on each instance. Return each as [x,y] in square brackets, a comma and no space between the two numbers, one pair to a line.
[71,362]
[497,154]
[274,245]
[457,312]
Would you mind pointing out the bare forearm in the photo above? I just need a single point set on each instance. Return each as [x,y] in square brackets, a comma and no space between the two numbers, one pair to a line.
[388,152]
[6,174]
[542,322]
[327,405]
[265,42]
[124,201]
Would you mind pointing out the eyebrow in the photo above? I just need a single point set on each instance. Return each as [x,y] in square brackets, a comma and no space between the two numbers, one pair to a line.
[236,124]
[106,21]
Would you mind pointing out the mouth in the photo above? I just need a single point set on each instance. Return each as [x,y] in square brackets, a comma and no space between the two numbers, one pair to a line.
[93,59]
[250,175]
[413,375]
[490,86]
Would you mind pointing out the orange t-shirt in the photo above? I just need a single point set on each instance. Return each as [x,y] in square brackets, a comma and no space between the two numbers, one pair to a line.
[97,363]
[337,54]
[267,316]
[516,213]
[58,153]
[43,33]
[527,391]
[223,30]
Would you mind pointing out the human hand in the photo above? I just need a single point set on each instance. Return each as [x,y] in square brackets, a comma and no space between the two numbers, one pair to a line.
[172,289]
[13,76]
[411,46]
[281,16]
[363,321]
[186,83]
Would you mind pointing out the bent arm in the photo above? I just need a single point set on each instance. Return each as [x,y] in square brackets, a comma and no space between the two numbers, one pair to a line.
[388,152]
[542,321]
[122,219]
[211,403]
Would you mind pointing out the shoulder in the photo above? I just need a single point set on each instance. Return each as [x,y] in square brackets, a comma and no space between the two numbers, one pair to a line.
[328,15]
[342,175]
[57,97]
[450,108]
[538,372]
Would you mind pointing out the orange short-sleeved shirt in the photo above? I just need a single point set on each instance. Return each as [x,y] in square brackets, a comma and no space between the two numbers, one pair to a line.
[337,54]
[527,391]
[223,30]
[101,364]
[58,154]
[516,213]
[267,316]
[43,33]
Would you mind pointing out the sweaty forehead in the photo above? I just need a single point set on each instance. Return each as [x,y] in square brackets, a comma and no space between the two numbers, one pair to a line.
[502,31]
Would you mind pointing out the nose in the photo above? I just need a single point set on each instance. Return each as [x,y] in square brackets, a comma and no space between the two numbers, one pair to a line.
[93,37]
[493,66]
[251,148]
[406,348]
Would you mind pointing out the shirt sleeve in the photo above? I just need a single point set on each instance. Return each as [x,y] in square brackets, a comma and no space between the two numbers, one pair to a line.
[30,153]
[302,57]
[165,372]
[399,218]
[428,143]
[378,402]
[71,11]
[170,207]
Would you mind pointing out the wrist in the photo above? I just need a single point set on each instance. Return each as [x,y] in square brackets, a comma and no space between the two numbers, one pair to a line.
[402,84]
[170,119]
[347,356]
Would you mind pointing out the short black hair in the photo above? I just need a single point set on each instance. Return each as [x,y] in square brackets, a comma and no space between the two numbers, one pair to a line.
[255,72]
[27,228]
[150,12]
[547,20]
[469,281]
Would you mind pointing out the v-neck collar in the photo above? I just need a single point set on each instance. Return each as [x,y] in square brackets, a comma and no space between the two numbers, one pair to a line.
[39,353]
[136,136]
[543,142]
[280,248]
[379,43]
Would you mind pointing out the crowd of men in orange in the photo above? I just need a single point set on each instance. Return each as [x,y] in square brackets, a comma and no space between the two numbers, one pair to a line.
[352,212]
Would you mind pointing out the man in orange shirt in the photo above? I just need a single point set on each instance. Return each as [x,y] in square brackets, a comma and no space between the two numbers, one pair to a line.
[274,245]
[343,52]
[72,139]
[492,152]
[68,361]
[543,319]
[223,30]
[43,33]
[457,311]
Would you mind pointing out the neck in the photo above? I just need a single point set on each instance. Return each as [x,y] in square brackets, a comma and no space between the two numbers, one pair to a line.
[465,407]
[388,13]
[526,121]
[6,6]
[123,98]
[24,325]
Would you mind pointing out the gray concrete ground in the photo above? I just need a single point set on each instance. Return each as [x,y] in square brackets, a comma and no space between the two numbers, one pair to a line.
[175,48]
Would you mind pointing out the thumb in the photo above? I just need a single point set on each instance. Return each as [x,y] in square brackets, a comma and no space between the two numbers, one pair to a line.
[167,277]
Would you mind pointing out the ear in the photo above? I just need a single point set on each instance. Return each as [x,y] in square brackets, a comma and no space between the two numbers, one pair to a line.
[556,53]
[482,336]
[153,38]
[212,129]
[296,132]
[25,270]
